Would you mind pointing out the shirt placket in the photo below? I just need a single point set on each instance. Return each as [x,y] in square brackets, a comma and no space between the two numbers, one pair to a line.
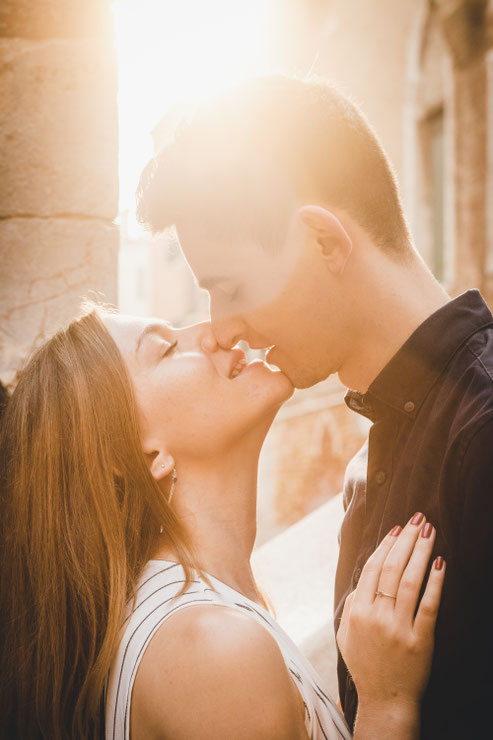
[380,452]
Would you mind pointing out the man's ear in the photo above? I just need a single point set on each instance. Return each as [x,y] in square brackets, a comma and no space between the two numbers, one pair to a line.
[325,228]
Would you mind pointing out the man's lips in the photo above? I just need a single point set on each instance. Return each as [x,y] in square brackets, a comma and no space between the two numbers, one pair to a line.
[269,356]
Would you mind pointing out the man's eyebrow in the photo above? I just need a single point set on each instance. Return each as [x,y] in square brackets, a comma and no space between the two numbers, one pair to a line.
[156,328]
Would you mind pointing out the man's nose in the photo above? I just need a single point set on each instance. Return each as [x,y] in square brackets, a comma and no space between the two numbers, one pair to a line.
[228,330]
[207,340]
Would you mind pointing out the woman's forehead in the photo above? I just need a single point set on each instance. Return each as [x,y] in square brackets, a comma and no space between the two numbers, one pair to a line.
[126,329]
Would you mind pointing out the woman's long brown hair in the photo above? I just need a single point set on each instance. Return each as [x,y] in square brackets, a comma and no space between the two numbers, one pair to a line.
[74,535]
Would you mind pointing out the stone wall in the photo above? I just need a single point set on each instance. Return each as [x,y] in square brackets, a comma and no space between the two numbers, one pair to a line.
[58,167]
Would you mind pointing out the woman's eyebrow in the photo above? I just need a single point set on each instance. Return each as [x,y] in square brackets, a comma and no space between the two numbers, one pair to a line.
[156,328]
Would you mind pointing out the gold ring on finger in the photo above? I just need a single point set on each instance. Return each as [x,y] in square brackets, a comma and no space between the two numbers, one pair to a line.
[382,593]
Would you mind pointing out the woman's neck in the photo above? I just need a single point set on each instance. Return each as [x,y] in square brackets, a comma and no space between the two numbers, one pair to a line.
[216,502]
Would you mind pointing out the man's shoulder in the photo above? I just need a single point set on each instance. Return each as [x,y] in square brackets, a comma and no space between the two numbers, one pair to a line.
[472,374]
[479,350]
[476,443]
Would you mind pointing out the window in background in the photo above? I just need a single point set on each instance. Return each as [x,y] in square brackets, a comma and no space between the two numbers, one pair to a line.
[433,139]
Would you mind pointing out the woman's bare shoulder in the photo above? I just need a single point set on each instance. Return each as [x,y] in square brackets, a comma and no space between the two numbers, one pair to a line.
[213,672]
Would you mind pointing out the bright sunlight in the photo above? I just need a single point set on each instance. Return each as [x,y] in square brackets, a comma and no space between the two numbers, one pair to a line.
[174,51]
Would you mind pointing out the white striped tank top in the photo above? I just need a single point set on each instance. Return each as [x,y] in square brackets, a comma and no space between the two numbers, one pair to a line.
[157,599]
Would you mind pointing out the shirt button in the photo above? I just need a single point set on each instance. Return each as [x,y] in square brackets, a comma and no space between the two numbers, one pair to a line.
[409,407]
[356,576]
[380,477]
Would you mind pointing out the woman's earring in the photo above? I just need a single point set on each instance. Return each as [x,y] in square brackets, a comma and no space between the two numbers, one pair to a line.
[171,491]
[173,483]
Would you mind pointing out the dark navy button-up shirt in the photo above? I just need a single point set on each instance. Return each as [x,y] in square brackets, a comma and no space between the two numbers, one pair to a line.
[430,449]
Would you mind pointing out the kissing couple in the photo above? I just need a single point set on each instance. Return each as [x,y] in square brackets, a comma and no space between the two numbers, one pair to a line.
[129,454]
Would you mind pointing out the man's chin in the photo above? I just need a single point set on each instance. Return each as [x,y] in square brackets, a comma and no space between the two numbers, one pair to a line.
[302,383]
[299,377]
[304,377]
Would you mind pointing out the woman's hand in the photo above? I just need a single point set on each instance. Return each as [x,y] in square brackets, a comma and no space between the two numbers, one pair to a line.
[386,644]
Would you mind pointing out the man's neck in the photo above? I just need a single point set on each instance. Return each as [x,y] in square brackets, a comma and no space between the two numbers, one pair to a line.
[402,297]
[216,501]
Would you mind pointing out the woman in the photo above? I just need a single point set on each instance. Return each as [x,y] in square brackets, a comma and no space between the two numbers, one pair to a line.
[129,463]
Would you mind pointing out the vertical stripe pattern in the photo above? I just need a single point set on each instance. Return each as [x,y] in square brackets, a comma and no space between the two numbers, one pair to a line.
[157,599]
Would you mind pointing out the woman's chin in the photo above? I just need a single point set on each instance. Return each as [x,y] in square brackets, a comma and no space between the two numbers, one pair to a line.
[284,386]
[288,389]
[280,389]
[272,376]
[280,385]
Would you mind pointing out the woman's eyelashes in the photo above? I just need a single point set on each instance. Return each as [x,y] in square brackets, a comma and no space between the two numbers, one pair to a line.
[170,348]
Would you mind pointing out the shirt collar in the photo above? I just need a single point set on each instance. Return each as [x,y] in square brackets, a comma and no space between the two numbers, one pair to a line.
[405,381]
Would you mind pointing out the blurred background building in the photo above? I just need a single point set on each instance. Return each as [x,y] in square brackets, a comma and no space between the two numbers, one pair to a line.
[422,71]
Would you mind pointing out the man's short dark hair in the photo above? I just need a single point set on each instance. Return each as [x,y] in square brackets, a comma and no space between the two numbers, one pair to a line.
[241,161]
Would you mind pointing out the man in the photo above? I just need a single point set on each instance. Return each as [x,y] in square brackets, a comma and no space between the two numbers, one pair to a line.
[289,214]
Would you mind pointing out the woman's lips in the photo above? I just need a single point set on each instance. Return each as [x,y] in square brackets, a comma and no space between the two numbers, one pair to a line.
[236,360]
[257,363]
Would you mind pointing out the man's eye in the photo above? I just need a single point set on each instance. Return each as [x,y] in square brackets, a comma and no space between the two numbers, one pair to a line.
[230,294]
[170,349]
[227,291]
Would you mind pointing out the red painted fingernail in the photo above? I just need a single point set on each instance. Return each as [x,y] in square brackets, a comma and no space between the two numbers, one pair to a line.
[439,563]
[427,531]
[395,530]
[417,518]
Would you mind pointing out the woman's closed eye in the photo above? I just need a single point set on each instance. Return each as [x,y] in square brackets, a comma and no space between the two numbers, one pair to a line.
[170,348]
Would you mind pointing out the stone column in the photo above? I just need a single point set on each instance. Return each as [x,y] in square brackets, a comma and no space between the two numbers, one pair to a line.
[466,28]
[58,167]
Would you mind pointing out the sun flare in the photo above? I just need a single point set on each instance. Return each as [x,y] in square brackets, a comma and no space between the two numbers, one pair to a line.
[170,52]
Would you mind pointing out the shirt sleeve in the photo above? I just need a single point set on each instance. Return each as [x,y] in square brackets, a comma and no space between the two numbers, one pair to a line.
[457,700]
[476,529]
